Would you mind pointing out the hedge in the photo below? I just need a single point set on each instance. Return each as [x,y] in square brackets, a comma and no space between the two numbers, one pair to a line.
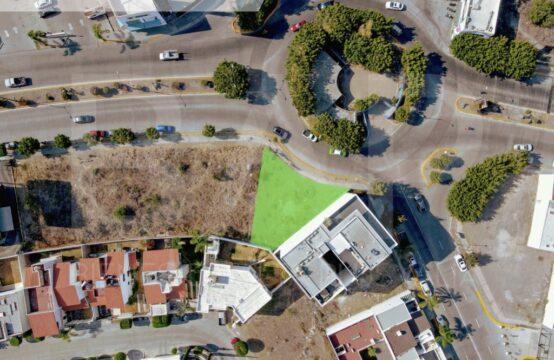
[161,321]
[126,324]
[253,20]
[468,197]
[340,133]
[374,54]
[414,65]
[241,348]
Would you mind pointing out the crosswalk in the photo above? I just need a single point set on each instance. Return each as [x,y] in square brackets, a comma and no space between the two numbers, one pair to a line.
[14,31]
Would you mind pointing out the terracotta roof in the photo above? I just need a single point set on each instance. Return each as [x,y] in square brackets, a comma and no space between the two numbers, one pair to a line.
[177,292]
[116,263]
[133,263]
[357,336]
[154,260]
[401,338]
[154,295]
[114,297]
[82,305]
[32,278]
[96,297]
[90,269]
[43,324]
[65,293]
[40,299]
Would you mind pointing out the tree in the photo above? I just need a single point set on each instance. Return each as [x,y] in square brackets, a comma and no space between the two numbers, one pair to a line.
[208,130]
[126,324]
[231,79]
[374,54]
[90,139]
[120,356]
[378,188]
[123,135]
[62,141]
[435,177]
[151,133]
[371,353]
[183,308]
[161,321]
[429,302]
[3,151]
[122,212]
[342,134]
[199,241]
[402,114]
[541,13]
[471,259]
[414,65]
[241,348]
[28,146]
[253,20]
[523,58]
[364,104]
[446,336]
[15,341]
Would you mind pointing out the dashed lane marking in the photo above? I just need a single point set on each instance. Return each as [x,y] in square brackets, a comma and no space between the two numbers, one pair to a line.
[15,30]
[70,26]
[477,322]
[7,33]
[81,22]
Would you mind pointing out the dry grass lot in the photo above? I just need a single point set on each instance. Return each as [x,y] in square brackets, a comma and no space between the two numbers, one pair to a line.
[170,189]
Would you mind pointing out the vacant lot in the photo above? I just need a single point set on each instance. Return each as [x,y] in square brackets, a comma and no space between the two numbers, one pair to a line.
[168,190]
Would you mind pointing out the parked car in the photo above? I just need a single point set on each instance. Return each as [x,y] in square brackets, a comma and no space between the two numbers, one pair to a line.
[41,4]
[93,13]
[166,129]
[83,119]
[141,321]
[15,82]
[100,134]
[222,318]
[296,27]
[191,316]
[412,260]
[460,262]
[420,203]
[523,147]
[393,5]
[426,288]
[324,5]
[397,30]
[169,55]
[442,320]
[12,145]
[47,11]
[282,133]
[418,272]
[309,135]
[338,152]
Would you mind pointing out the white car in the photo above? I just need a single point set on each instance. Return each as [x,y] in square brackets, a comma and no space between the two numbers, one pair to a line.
[426,288]
[460,262]
[169,55]
[393,5]
[523,147]
[310,135]
[41,4]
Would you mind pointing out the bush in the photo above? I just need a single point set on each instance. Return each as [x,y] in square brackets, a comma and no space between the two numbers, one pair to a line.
[231,79]
[241,348]
[468,197]
[435,177]
[208,130]
[374,54]
[28,146]
[378,188]
[207,83]
[174,351]
[177,85]
[50,97]
[121,212]
[541,13]
[66,93]
[496,55]
[443,162]
[123,135]
[253,20]
[89,139]
[31,203]
[183,168]
[126,324]
[340,133]
[402,114]
[120,356]
[364,104]
[414,65]
[151,133]
[62,141]
[15,341]
[3,151]
[106,90]
[94,90]
[22,101]
[161,321]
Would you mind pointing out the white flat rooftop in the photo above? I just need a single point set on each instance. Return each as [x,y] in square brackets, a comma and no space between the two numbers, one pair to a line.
[130,7]
[478,16]
[541,235]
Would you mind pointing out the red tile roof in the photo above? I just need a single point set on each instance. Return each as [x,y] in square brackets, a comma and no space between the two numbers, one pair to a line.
[114,297]
[116,263]
[82,305]
[177,293]
[357,336]
[32,278]
[133,263]
[43,324]
[40,299]
[154,260]
[65,292]
[154,295]
[401,338]
[96,297]
[90,269]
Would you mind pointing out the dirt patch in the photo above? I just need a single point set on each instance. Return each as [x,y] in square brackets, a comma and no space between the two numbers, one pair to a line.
[9,271]
[544,36]
[291,326]
[166,190]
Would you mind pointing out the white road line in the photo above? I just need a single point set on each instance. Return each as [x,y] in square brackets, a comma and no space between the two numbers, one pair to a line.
[464,295]
[70,26]
[7,33]
[15,30]
[490,350]
[477,322]
[81,22]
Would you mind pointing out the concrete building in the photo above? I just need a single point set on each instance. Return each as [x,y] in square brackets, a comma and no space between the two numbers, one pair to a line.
[335,248]
[541,235]
[13,311]
[395,329]
[477,17]
[6,222]
[137,14]
[225,286]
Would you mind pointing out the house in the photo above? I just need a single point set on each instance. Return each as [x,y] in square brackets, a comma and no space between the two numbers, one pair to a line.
[225,286]
[395,329]
[137,14]
[477,17]
[541,235]
[45,315]
[335,248]
[67,287]
[13,311]
[163,279]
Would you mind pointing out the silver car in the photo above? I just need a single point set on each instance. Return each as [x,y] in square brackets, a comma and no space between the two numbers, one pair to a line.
[393,5]
[523,147]
[82,119]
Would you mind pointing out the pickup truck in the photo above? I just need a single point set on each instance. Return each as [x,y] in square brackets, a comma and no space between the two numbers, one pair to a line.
[169,55]
[93,13]
[15,82]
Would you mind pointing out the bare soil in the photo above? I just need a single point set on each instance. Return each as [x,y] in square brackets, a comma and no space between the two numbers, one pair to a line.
[544,36]
[167,189]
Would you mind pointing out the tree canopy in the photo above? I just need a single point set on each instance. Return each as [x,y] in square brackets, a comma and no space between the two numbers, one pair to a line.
[342,134]
[414,65]
[541,13]
[231,79]
[62,141]
[28,146]
[253,20]
[123,135]
[374,54]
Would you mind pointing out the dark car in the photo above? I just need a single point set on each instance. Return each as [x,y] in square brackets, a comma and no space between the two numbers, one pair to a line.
[191,316]
[420,203]
[324,5]
[282,133]
[100,134]
[166,129]
[141,321]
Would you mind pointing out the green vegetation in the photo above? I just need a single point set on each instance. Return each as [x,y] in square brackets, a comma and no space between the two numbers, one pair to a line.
[3,151]
[446,336]
[28,146]
[62,141]
[208,130]
[286,201]
[174,351]
[151,133]
[161,321]
[231,79]
[468,197]
[402,114]
[253,20]
[414,65]
[126,324]
[15,341]
[371,353]
[374,54]
[429,302]
[340,133]
[67,94]
[133,298]
[378,188]
[471,259]
[443,162]
[98,31]
[541,13]
[123,135]
[31,203]
[120,356]
[496,55]
[199,241]
[435,177]
[121,212]
[364,104]
[89,139]
[241,348]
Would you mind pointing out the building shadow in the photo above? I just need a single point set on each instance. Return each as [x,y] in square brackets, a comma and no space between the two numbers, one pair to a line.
[376,144]
[284,297]
[436,70]
[255,345]
[497,200]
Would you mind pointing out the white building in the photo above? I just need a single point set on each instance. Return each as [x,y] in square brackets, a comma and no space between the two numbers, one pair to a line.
[477,17]
[13,311]
[137,14]
[541,235]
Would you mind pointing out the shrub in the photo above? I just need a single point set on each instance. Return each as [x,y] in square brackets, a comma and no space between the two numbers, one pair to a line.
[94,90]
[207,83]
[435,177]
[374,54]
[121,212]
[378,188]
[253,20]
[15,341]
[231,79]
[208,130]
[414,65]
[161,321]
[28,146]
[154,200]
[468,197]
[364,104]
[106,90]
[98,31]
[177,85]
[3,151]
[340,133]
[402,114]
[120,356]
[89,139]
[50,97]
[443,162]
[151,133]
[126,324]
[62,141]
[541,13]
[241,348]
[22,101]
[183,168]
[66,93]
[123,135]
[174,351]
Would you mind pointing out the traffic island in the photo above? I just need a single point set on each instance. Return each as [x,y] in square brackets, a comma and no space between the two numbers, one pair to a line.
[436,166]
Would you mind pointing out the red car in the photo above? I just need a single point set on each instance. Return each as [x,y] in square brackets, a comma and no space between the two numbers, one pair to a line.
[296,27]
[99,134]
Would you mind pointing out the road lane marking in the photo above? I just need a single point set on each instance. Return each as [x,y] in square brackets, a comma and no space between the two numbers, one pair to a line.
[477,322]
[70,26]
[490,350]
[15,30]
[82,22]
[7,33]
[464,295]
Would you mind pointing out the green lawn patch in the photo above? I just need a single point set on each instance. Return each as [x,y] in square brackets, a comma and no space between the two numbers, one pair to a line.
[286,201]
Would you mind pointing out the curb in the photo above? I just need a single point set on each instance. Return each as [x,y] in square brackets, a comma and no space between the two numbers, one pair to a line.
[489,315]
[428,158]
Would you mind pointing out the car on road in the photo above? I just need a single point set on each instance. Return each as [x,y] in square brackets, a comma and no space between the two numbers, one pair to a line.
[191,316]
[169,55]
[426,288]
[420,203]
[393,5]
[324,5]
[166,129]
[47,11]
[442,320]
[460,262]
[141,321]
[523,147]
[12,145]
[15,82]
[82,119]
[100,134]
[282,133]
[310,135]
[41,4]
[296,27]
[338,152]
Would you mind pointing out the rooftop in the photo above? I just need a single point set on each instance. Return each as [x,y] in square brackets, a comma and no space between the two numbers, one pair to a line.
[478,16]
[116,263]
[356,337]
[65,285]
[34,276]
[130,7]
[6,221]
[43,324]
[541,235]
[114,297]
[401,338]
[91,269]
[156,260]
[12,308]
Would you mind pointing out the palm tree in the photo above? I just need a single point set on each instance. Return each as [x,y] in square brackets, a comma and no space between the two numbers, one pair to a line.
[371,353]
[199,241]
[429,302]
[446,336]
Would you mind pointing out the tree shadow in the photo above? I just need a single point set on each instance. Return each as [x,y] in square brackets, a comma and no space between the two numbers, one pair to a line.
[462,330]
[497,200]
[447,296]
[71,47]
[227,134]
[483,258]
[277,26]
[262,89]
[376,144]
[436,70]
[408,34]
[255,345]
